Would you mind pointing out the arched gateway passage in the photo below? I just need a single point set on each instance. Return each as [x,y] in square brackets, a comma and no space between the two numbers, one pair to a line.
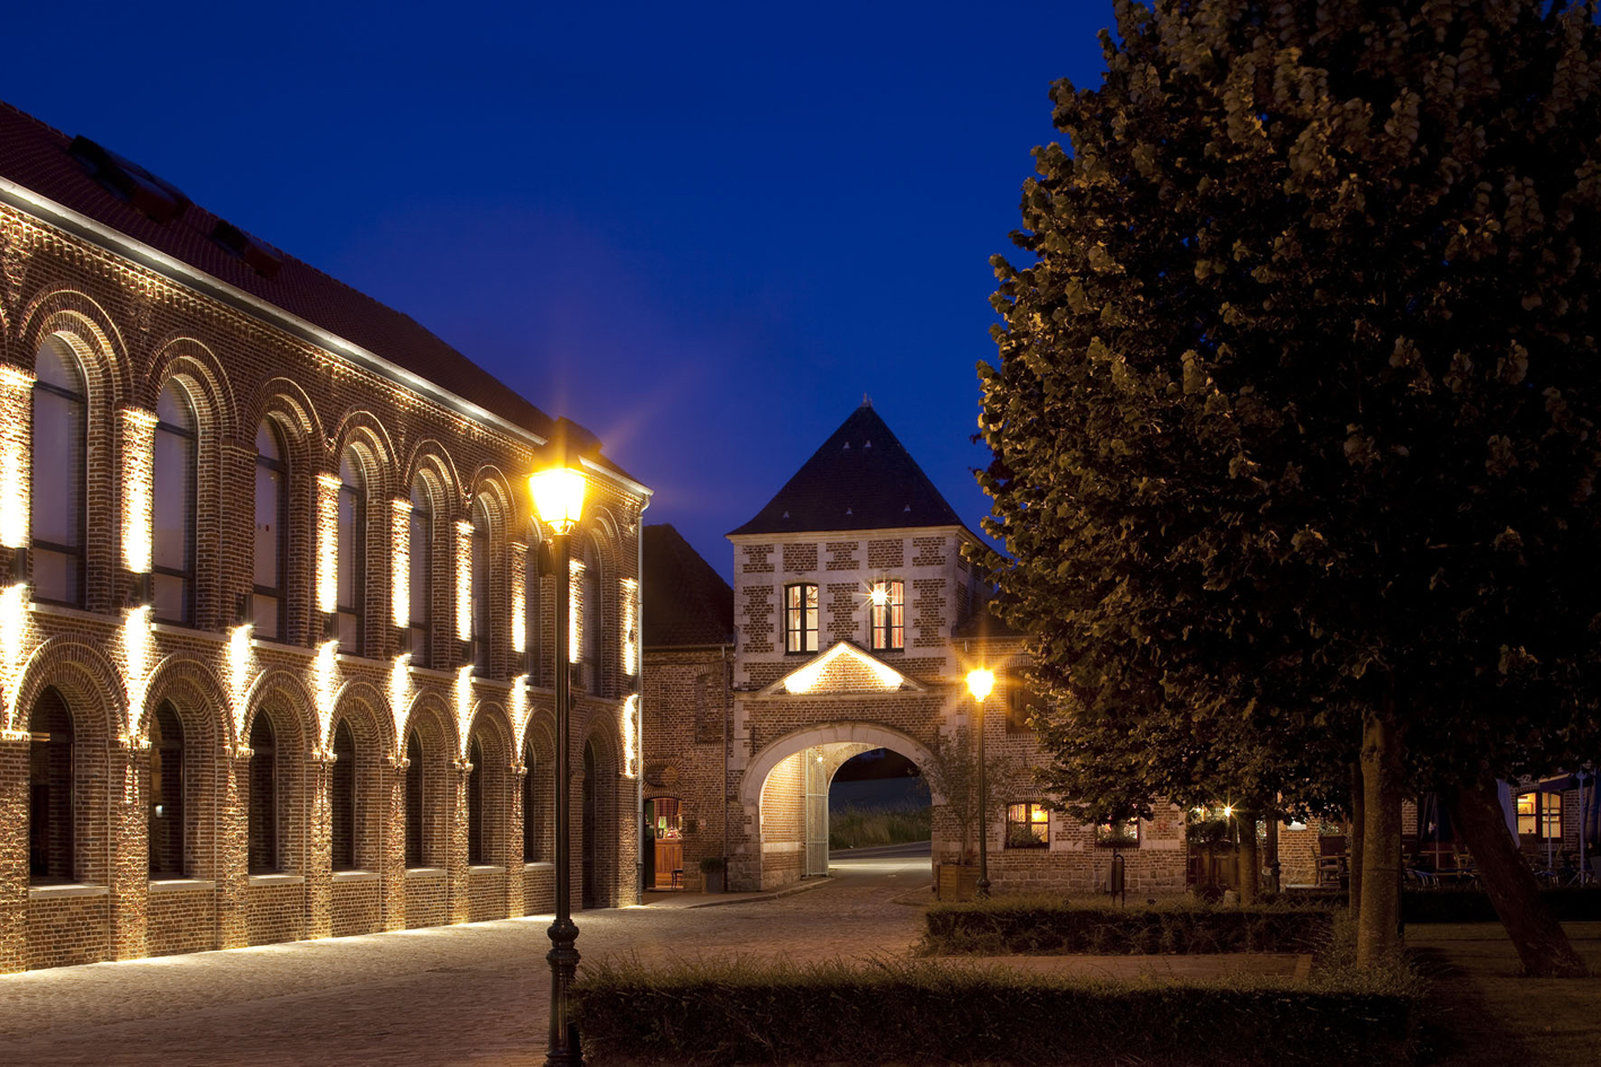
[784,794]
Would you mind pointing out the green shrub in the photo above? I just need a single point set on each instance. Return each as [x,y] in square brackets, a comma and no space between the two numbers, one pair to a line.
[865,827]
[1047,926]
[902,1012]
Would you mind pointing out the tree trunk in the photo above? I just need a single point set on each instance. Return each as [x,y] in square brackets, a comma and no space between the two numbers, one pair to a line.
[1273,853]
[1250,866]
[1353,844]
[1378,938]
[1542,945]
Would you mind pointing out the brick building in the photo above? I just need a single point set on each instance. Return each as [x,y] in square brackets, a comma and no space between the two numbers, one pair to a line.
[274,636]
[856,617]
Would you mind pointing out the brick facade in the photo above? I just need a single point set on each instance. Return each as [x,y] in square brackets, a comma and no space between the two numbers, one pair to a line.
[134,330]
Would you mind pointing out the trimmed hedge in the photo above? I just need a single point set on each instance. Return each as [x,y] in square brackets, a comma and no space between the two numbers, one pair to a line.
[1035,926]
[744,1012]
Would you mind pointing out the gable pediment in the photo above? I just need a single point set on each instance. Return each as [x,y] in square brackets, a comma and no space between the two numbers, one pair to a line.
[844,669]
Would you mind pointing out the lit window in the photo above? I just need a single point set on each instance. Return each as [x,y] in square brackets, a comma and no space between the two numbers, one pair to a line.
[58,451]
[352,551]
[1540,816]
[1027,826]
[419,633]
[1122,833]
[267,605]
[174,510]
[887,602]
[800,618]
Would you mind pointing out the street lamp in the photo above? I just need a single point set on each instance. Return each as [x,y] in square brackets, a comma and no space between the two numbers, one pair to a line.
[981,682]
[558,494]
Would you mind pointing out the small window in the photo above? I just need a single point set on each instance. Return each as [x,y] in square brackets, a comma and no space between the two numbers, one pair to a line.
[50,782]
[476,851]
[1540,816]
[263,820]
[531,820]
[1027,826]
[352,548]
[590,620]
[800,618]
[271,546]
[533,613]
[420,631]
[58,450]
[165,826]
[887,610]
[174,506]
[342,798]
[479,591]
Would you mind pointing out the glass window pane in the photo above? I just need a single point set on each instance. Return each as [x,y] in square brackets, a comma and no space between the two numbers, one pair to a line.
[172,598]
[348,544]
[267,442]
[58,467]
[264,614]
[174,492]
[57,576]
[174,409]
[269,536]
[56,364]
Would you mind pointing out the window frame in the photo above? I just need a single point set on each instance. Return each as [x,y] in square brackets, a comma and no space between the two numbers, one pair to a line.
[1027,824]
[415,845]
[191,437]
[355,611]
[480,579]
[887,621]
[78,554]
[153,801]
[420,607]
[1546,812]
[809,608]
[343,777]
[280,592]
[272,862]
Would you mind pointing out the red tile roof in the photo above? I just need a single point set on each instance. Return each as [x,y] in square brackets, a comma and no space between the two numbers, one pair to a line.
[36,156]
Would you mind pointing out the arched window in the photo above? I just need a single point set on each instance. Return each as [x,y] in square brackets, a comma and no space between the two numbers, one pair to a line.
[475,803]
[342,798]
[50,774]
[414,801]
[533,613]
[352,551]
[59,448]
[174,506]
[422,573]
[263,796]
[272,515]
[531,812]
[480,586]
[589,619]
[165,824]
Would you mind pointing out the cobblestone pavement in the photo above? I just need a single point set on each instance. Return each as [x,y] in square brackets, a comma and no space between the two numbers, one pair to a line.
[475,993]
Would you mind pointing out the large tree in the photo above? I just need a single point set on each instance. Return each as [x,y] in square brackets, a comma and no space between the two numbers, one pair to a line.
[1294,416]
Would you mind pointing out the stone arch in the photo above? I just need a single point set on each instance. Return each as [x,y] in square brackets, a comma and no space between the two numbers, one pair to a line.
[93,333]
[431,723]
[537,754]
[429,458]
[85,676]
[201,703]
[361,436]
[489,785]
[872,735]
[599,811]
[201,373]
[279,793]
[284,404]
[364,431]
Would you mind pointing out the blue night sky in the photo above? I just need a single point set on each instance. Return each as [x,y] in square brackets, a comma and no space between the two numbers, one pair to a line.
[704,231]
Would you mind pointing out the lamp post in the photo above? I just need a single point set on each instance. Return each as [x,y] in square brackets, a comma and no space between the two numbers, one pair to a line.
[559,500]
[981,682]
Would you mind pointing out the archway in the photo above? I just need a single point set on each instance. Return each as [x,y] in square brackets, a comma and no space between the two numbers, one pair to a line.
[785,793]
[878,801]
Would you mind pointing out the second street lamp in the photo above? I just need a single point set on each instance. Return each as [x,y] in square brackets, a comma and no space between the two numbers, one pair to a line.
[559,501]
[981,682]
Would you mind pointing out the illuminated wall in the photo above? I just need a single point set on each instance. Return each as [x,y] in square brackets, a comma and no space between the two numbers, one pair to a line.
[328,543]
[16,387]
[138,487]
[400,562]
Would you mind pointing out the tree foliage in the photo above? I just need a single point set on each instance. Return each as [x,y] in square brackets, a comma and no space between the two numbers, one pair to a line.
[1296,398]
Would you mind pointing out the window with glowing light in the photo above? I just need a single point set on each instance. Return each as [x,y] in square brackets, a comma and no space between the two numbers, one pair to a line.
[800,618]
[263,816]
[58,450]
[50,781]
[1121,833]
[1540,816]
[352,551]
[421,578]
[272,523]
[1027,825]
[173,510]
[481,628]
[165,825]
[887,612]
[342,799]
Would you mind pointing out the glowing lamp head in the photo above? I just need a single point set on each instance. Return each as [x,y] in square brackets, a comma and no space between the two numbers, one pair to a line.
[980,682]
[558,497]
[1228,811]
[879,596]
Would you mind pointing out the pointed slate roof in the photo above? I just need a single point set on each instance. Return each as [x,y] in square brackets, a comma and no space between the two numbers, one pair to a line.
[686,601]
[861,479]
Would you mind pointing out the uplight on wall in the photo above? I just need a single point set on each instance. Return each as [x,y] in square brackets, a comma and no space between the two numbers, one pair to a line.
[519,600]
[138,473]
[13,630]
[575,613]
[464,706]
[241,658]
[464,580]
[400,692]
[400,562]
[630,598]
[631,736]
[16,387]
[519,705]
[136,656]
[328,543]
[325,687]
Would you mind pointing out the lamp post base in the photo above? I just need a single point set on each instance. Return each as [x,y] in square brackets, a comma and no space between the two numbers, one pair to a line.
[563,957]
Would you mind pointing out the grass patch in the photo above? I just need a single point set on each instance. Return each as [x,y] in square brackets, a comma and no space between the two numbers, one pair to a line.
[1031,925]
[745,1011]
[865,827]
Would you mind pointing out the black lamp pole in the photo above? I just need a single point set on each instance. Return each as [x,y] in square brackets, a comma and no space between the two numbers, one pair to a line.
[563,955]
